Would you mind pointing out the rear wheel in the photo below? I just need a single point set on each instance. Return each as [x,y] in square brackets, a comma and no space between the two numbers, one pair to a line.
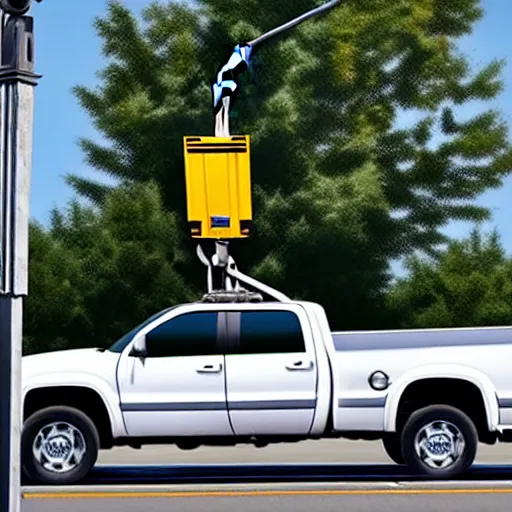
[59,445]
[393,447]
[439,441]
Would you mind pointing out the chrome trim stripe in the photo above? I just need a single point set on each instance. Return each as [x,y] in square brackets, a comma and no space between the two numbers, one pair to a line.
[257,405]
[174,407]
[362,402]
[505,403]
[344,341]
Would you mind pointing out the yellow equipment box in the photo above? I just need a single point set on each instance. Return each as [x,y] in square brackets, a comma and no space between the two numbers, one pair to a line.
[218,182]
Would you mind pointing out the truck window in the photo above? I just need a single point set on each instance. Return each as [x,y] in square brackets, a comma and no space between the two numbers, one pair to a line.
[122,342]
[190,334]
[267,332]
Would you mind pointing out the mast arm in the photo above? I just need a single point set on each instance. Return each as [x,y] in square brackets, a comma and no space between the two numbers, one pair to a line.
[227,83]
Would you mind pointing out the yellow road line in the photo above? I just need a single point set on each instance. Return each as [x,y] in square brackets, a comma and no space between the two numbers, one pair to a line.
[262,493]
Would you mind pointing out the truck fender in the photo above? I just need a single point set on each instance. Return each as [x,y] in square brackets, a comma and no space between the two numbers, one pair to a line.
[442,371]
[83,380]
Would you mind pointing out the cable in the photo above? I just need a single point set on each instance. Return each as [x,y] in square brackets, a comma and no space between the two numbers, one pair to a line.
[294,22]
[227,83]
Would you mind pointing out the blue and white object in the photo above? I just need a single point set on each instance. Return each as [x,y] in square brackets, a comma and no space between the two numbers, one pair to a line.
[227,78]
[226,84]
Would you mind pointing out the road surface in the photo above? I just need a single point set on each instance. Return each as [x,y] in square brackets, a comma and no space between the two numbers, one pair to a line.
[327,475]
[294,498]
[326,451]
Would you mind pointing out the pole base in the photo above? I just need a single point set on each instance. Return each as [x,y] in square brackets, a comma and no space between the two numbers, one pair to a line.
[223,279]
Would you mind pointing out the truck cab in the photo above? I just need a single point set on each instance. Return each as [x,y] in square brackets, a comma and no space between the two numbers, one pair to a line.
[222,370]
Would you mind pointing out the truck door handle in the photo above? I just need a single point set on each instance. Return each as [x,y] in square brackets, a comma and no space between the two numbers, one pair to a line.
[210,368]
[300,366]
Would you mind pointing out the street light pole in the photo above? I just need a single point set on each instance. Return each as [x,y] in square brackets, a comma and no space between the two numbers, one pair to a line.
[17,82]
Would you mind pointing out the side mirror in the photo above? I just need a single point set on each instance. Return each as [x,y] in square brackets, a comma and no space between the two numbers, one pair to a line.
[139,348]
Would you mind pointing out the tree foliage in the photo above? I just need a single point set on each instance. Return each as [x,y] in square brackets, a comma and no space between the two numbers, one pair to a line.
[340,188]
[470,285]
[95,275]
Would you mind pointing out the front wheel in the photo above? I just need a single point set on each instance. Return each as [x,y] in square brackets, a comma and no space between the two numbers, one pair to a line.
[439,441]
[59,445]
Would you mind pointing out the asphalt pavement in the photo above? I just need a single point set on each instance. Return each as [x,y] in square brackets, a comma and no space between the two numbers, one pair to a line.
[294,500]
[322,451]
[315,475]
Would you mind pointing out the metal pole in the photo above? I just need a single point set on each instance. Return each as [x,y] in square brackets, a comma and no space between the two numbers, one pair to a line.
[290,24]
[17,82]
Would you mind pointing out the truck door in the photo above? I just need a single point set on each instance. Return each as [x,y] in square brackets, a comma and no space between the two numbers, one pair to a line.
[271,371]
[179,387]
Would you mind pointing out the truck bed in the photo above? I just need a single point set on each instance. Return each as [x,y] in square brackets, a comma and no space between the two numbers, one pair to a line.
[421,338]
[481,356]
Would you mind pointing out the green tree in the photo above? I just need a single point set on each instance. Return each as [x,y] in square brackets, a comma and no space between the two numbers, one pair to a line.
[339,189]
[95,275]
[469,285]
[54,306]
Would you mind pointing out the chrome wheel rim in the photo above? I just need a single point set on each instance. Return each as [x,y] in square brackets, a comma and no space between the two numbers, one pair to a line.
[59,447]
[439,445]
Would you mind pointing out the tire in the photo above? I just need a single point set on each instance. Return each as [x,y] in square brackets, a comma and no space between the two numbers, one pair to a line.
[457,424]
[393,447]
[71,428]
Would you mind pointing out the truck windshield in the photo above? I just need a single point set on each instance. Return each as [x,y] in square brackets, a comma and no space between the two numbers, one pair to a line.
[121,343]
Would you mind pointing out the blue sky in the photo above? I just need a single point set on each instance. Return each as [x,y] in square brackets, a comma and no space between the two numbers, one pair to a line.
[68,53]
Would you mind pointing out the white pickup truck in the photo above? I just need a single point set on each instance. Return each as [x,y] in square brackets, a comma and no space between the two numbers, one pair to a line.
[221,374]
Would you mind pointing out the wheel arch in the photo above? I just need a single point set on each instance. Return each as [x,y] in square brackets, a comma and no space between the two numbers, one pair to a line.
[436,372]
[103,389]
[88,399]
